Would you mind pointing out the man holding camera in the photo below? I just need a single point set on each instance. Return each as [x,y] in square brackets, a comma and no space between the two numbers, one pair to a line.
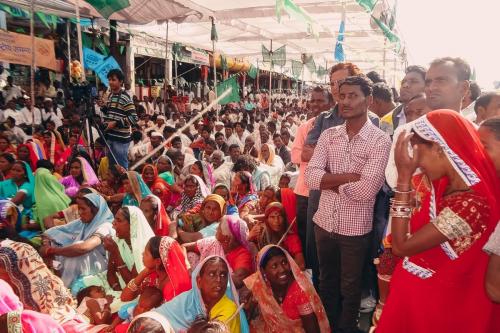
[119,117]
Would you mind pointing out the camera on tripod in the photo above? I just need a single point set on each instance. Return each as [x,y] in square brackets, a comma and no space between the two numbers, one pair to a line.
[83,93]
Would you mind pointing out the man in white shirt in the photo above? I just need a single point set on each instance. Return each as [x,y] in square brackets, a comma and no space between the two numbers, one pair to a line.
[48,113]
[18,135]
[28,115]
[11,91]
[11,111]
[222,169]
[231,139]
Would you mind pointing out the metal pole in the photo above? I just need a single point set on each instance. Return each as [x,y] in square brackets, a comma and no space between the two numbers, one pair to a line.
[79,36]
[33,62]
[384,59]
[215,78]
[166,70]
[270,76]
[68,37]
[180,130]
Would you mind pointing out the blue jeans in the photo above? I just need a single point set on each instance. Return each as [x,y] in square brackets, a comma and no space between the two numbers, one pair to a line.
[120,150]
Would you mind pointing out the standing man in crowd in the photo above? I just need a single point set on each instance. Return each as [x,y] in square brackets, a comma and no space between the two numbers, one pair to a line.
[120,116]
[349,173]
[413,84]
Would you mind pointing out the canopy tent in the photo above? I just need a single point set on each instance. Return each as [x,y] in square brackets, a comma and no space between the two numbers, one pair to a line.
[243,27]
[139,11]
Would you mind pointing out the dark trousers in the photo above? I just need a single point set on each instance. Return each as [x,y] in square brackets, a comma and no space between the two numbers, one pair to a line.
[341,262]
[302,220]
[311,255]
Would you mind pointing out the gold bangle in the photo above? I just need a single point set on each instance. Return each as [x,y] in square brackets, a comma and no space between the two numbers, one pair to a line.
[132,285]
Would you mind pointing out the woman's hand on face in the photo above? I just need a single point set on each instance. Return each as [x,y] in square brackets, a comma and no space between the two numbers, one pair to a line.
[109,244]
[405,164]
[255,232]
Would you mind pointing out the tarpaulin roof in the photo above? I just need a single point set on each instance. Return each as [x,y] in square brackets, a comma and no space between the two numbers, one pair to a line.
[139,11]
[244,26]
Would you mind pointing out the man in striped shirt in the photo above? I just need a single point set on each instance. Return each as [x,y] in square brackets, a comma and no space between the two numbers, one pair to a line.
[119,116]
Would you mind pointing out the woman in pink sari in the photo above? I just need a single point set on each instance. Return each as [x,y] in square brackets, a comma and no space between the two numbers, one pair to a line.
[439,284]
[81,174]
[38,288]
[18,320]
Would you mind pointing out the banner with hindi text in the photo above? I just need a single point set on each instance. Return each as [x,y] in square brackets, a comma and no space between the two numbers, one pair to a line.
[16,48]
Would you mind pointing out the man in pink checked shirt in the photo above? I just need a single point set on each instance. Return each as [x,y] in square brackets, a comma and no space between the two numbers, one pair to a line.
[348,167]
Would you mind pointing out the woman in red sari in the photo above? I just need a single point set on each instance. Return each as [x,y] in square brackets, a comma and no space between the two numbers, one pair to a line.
[158,186]
[438,286]
[54,147]
[166,270]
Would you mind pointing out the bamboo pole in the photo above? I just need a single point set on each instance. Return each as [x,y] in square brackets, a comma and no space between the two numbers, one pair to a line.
[270,76]
[33,62]
[166,71]
[79,36]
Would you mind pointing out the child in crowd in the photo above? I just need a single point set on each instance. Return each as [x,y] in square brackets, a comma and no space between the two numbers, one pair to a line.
[94,305]
[150,298]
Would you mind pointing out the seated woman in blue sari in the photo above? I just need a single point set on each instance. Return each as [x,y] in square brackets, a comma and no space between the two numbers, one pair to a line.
[78,245]
[213,295]
[135,189]
[20,190]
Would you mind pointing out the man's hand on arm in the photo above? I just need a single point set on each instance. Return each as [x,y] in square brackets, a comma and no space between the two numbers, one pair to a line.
[332,181]
[307,153]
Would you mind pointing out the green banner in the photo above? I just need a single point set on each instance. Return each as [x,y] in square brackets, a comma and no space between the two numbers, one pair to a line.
[108,7]
[388,33]
[297,13]
[252,72]
[310,64]
[223,62]
[277,57]
[213,32]
[234,96]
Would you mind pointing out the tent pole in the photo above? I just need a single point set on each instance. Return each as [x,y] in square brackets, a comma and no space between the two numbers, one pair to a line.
[68,30]
[215,78]
[271,77]
[166,70]
[79,36]
[384,58]
[33,62]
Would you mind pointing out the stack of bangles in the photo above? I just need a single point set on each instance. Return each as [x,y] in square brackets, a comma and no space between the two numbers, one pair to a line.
[401,208]
[132,285]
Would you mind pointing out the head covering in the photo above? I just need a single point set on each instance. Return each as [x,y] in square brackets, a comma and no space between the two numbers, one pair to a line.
[163,221]
[88,173]
[20,320]
[273,207]
[140,234]
[33,156]
[40,290]
[185,308]
[236,228]
[75,231]
[270,160]
[460,142]
[272,314]
[49,196]
[167,328]
[289,202]
[156,134]
[139,188]
[202,191]
[217,199]
[176,267]
[160,117]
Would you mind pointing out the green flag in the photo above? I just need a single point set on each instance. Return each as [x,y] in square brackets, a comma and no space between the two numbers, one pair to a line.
[297,68]
[50,21]
[388,33]
[310,64]
[368,5]
[266,54]
[108,7]
[321,72]
[252,72]
[234,96]
[297,13]
[223,62]
[279,56]
[176,50]
[213,33]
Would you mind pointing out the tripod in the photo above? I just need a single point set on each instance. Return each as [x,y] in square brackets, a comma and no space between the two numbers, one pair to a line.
[88,123]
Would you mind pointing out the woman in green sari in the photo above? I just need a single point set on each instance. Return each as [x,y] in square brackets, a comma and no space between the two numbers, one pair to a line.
[49,196]
[19,189]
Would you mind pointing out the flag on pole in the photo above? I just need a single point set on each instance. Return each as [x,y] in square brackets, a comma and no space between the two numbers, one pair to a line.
[234,96]
[339,46]
[277,57]
[213,33]
[252,72]
[297,13]
[368,5]
[108,7]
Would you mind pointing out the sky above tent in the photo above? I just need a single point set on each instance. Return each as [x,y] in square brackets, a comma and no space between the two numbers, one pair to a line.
[469,29]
